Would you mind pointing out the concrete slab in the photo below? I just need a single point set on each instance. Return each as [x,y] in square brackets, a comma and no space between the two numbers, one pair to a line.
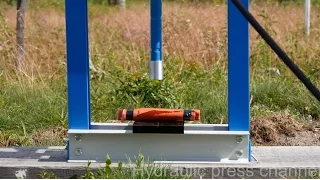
[269,162]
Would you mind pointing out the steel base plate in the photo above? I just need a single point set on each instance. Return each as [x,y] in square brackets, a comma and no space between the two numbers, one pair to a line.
[206,143]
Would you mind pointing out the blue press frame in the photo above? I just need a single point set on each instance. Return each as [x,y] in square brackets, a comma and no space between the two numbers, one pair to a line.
[238,70]
[78,75]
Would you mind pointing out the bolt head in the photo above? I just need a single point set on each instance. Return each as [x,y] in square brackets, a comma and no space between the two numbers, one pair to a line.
[239,153]
[239,139]
[78,151]
[78,137]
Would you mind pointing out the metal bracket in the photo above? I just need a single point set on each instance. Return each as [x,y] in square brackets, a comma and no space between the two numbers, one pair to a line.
[211,143]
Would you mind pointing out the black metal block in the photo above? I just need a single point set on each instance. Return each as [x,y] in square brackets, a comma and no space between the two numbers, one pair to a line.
[159,127]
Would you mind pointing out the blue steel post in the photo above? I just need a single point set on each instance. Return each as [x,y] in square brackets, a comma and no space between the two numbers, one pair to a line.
[156,64]
[77,64]
[238,70]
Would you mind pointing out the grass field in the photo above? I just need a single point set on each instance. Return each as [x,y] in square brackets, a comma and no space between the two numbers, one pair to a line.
[33,102]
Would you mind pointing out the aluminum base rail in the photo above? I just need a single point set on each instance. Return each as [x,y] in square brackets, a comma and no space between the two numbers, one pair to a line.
[203,143]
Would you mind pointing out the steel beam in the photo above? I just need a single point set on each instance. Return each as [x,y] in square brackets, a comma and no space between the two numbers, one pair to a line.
[238,69]
[77,64]
[197,144]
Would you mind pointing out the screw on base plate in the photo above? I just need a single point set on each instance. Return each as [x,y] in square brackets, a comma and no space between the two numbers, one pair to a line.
[78,137]
[78,151]
[239,139]
[239,153]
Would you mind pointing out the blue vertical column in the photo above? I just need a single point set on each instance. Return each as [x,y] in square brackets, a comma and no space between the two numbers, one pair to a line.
[77,64]
[156,64]
[238,69]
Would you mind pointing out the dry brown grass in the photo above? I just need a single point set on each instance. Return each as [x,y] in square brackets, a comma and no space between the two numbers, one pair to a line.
[191,33]
[43,137]
[284,130]
[267,130]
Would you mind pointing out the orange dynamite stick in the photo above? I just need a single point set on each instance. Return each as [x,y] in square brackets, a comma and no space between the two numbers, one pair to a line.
[158,114]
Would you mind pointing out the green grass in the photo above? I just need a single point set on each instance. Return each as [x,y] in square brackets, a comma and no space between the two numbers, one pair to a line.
[29,107]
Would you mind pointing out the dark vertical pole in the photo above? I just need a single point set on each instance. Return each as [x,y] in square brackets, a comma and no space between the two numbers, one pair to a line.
[21,10]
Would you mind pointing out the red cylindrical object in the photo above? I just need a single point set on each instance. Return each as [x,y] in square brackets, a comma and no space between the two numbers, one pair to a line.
[158,114]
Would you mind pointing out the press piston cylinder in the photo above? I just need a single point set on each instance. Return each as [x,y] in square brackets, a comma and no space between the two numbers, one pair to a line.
[156,63]
[156,70]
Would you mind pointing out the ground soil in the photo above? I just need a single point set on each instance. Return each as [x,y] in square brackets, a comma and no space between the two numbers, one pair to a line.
[283,130]
[55,135]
